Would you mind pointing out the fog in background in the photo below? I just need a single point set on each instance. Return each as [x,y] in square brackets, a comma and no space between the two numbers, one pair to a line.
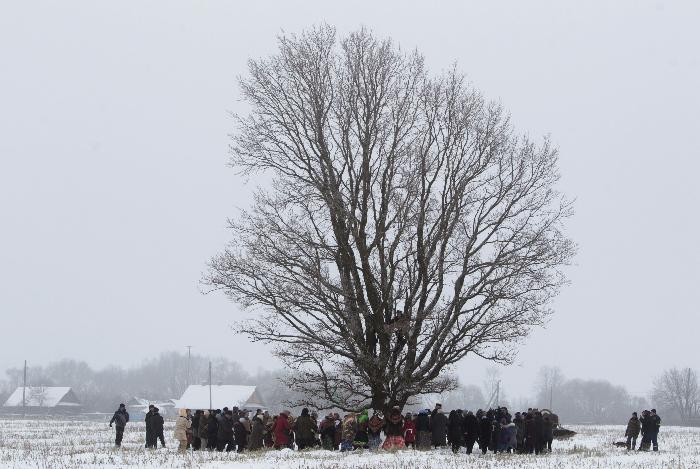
[114,190]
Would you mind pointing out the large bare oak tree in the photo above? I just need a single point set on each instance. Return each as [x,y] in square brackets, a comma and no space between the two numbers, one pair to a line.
[406,226]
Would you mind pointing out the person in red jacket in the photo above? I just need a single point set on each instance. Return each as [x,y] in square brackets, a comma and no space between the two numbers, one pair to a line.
[281,430]
[409,431]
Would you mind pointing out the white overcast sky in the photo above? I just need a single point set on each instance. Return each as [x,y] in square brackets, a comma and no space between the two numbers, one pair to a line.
[114,190]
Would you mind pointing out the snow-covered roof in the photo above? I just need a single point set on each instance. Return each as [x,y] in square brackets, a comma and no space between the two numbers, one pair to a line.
[43,396]
[222,395]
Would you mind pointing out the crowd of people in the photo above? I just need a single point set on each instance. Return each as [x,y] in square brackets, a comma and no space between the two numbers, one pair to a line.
[240,430]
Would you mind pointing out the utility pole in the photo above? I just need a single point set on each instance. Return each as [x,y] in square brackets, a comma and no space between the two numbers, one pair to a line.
[189,359]
[551,394]
[24,391]
[210,407]
[498,392]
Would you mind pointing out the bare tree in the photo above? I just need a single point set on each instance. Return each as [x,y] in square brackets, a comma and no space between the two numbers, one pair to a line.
[677,390]
[406,226]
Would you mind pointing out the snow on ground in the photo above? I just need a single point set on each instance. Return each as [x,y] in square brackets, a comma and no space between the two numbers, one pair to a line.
[87,444]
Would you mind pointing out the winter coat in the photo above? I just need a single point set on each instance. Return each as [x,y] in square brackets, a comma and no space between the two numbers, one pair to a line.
[485,429]
[195,424]
[240,433]
[120,418]
[508,436]
[256,435]
[281,430]
[547,429]
[655,423]
[375,425]
[305,429]
[520,429]
[328,431]
[439,428]
[156,422]
[456,428]
[149,426]
[422,423]
[633,427]
[349,428]
[393,425]
[361,435]
[182,424]
[212,427]
[536,431]
[225,430]
[471,427]
[203,426]
[409,431]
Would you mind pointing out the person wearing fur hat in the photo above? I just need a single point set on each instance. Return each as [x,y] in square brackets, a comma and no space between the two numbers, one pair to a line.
[182,425]
[393,429]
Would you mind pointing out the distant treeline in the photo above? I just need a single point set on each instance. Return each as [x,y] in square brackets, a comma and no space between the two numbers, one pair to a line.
[165,377]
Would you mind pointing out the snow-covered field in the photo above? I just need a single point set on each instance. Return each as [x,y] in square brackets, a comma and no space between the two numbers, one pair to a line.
[78,444]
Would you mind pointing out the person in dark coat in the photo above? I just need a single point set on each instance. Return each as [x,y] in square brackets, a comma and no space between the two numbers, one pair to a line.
[547,432]
[455,427]
[119,419]
[305,430]
[519,431]
[655,426]
[328,433]
[196,441]
[438,426]
[149,429]
[537,432]
[485,433]
[495,433]
[212,430]
[423,432]
[157,428]
[256,435]
[632,431]
[471,431]
[240,433]
[529,436]
[224,436]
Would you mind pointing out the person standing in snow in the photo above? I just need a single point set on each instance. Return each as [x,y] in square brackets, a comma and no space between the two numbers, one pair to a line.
[654,430]
[149,427]
[471,431]
[182,426]
[119,419]
[632,431]
[204,430]
[157,428]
